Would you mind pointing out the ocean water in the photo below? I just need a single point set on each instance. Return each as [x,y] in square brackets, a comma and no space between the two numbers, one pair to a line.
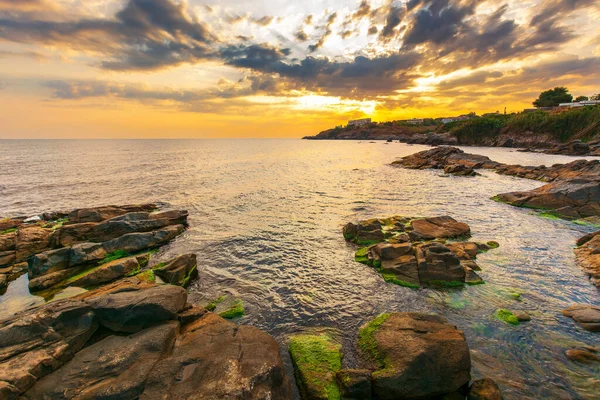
[266,219]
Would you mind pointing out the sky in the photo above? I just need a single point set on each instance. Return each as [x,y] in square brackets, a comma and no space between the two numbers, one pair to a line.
[279,68]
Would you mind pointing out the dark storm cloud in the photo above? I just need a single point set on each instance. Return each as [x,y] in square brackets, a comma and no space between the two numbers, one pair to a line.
[555,9]
[145,34]
[393,19]
[437,23]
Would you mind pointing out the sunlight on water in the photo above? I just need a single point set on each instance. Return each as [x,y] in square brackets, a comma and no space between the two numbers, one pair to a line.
[266,219]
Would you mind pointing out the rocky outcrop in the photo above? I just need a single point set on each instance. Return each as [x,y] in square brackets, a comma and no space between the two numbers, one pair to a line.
[587,316]
[213,358]
[573,191]
[417,356]
[588,256]
[79,248]
[413,252]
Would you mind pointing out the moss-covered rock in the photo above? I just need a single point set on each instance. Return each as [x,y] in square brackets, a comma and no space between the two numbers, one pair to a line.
[317,357]
[235,311]
[506,316]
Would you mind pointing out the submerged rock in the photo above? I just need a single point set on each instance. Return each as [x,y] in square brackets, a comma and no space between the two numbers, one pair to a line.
[412,252]
[587,316]
[418,356]
[584,356]
[484,389]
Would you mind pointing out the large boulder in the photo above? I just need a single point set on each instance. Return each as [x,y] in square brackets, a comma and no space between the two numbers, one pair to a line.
[113,368]
[32,240]
[134,309]
[179,271]
[39,341]
[587,316]
[418,356]
[439,228]
[443,156]
[215,359]
[437,263]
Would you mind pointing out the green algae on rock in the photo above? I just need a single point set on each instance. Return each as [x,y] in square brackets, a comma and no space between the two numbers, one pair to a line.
[506,316]
[317,357]
[414,252]
[235,311]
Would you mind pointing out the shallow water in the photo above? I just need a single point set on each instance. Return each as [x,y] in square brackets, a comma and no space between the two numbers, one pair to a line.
[266,219]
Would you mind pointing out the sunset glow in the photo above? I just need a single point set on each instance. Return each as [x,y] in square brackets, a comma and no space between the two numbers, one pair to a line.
[195,68]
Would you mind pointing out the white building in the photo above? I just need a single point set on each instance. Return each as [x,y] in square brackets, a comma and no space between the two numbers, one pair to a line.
[359,122]
[580,103]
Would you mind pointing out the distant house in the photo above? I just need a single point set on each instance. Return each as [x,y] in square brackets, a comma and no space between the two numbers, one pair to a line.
[580,104]
[447,120]
[359,122]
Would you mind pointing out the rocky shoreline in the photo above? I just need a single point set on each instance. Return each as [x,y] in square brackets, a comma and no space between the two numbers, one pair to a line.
[129,331]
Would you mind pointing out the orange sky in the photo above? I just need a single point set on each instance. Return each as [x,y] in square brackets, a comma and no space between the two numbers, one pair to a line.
[185,69]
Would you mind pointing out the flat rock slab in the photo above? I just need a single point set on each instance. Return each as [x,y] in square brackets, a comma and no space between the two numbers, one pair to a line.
[133,310]
[419,356]
[587,316]
[440,228]
[114,368]
[39,341]
[215,359]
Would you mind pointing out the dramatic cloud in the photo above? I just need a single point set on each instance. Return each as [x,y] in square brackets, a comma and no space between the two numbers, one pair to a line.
[393,20]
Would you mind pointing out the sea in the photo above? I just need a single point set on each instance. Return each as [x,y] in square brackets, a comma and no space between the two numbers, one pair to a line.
[266,218]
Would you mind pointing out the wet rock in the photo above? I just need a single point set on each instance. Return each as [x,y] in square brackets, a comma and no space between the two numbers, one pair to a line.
[459,170]
[445,156]
[484,389]
[191,314]
[49,262]
[48,280]
[106,273]
[38,341]
[587,316]
[522,316]
[584,356]
[399,343]
[213,358]
[317,358]
[354,384]
[135,242]
[439,228]
[387,251]
[115,367]
[588,256]
[133,310]
[179,271]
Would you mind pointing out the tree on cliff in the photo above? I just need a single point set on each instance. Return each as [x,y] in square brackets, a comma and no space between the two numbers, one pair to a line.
[553,97]
[581,98]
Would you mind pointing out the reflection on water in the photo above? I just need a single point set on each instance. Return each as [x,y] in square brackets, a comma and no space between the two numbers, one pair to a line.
[266,218]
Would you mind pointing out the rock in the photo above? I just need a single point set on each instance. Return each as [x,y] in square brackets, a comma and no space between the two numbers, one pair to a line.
[32,240]
[437,264]
[216,359]
[179,271]
[8,242]
[584,356]
[354,384]
[7,258]
[522,316]
[445,156]
[98,214]
[439,228]
[459,170]
[317,358]
[418,356]
[588,256]
[191,314]
[484,389]
[387,251]
[133,310]
[47,281]
[135,242]
[48,262]
[3,283]
[113,368]
[38,341]
[587,316]
[106,273]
